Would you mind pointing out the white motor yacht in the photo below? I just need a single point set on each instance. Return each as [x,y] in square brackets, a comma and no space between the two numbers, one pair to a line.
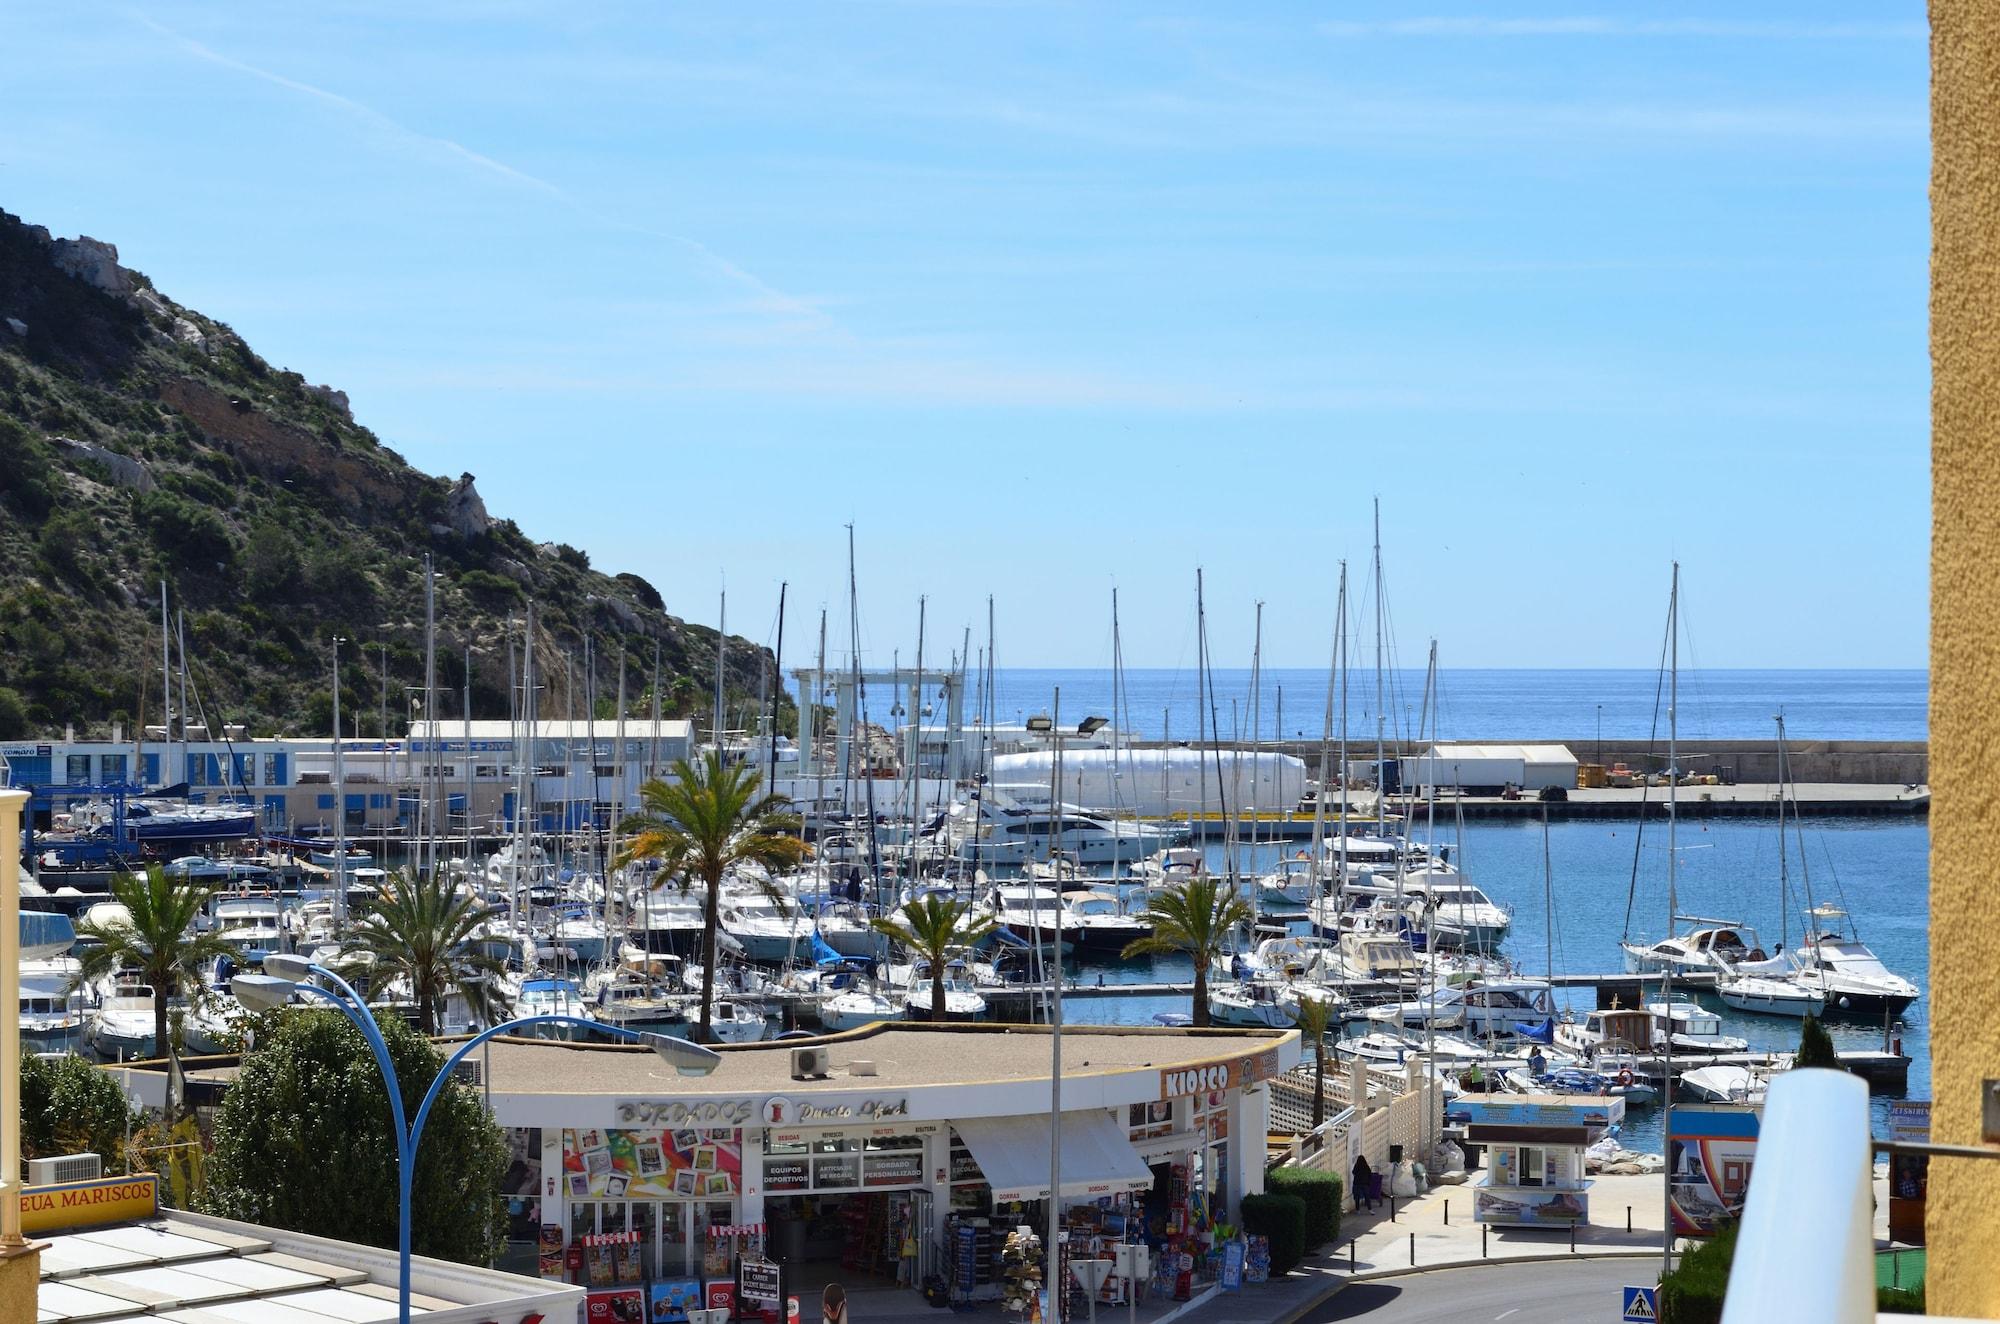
[1172,865]
[120,1028]
[1453,913]
[962,998]
[1712,946]
[1854,978]
[1770,996]
[547,996]
[1480,1006]
[1729,1082]
[1381,1048]
[1695,1028]
[637,1002]
[736,1023]
[1252,1004]
[1101,922]
[770,931]
[861,1003]
[1608,1030]
[52,1011]
[214,1024]
[251,922]
[1290,887]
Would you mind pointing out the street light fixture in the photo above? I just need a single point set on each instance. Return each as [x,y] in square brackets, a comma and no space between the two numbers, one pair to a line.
[290,975]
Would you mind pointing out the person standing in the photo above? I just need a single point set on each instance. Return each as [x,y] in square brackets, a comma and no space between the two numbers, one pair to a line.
[1364,1182]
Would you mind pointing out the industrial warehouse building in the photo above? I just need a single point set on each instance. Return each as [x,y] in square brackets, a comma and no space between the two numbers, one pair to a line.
[1490,769]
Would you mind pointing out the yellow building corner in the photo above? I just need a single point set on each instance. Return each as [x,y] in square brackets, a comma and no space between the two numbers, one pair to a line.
[1963,1218]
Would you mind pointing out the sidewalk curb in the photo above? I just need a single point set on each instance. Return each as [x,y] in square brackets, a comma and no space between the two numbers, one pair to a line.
[1372,1275]
[1195,1302]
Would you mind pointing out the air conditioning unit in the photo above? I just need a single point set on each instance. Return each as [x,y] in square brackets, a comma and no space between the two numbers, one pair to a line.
[468,1071]
[811,1063]
[65,1168]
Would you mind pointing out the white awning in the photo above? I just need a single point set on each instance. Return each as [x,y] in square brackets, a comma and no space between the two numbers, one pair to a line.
[1013,1156]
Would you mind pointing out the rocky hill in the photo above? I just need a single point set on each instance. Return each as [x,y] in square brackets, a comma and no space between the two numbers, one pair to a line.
[143,442]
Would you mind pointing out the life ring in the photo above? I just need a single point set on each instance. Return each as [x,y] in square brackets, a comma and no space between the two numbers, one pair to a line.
[1625,1076]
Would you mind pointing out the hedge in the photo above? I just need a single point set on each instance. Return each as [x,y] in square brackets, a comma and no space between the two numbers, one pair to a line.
[1282,1218]
[1322,1193]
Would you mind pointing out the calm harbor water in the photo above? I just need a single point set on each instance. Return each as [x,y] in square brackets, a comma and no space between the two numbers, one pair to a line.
[1728,869]
[1492,704]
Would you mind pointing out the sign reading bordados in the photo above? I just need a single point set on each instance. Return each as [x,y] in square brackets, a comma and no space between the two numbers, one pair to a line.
[762,1282]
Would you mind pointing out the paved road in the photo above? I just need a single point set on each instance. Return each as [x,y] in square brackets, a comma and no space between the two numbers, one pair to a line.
[1545,1293]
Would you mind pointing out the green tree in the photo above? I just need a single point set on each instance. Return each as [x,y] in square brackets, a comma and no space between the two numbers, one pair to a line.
[304,1140]
[929,927]
[13,714]
[1314,1018]
[69,1106]
[1194,916]
[271,563]
[421,932]
[1815,1046]
[156,939]
[707,819]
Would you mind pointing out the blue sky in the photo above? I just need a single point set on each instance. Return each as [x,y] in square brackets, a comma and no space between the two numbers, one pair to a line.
[1050,298]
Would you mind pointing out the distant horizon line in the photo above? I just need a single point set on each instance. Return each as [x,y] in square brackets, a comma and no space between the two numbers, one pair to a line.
[1802,671]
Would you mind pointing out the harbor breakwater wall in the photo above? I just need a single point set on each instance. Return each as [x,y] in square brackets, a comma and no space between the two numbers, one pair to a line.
[1857,762]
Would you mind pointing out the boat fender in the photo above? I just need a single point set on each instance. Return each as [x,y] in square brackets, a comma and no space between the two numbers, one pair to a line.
[1625,1076]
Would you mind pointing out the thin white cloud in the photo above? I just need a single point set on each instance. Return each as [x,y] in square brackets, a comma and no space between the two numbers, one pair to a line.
[800,315]
[366,113]
[1599,26]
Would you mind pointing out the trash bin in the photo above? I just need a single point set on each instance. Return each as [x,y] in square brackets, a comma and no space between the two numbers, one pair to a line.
[788,1240]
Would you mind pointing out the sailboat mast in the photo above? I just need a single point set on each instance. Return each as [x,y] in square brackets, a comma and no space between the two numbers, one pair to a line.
[617,810]
[721,648]
[1381,713]
[1340,882]
[915,747]
[1673,899]
[811,751]
[467,715]
[339,802]
[860,716]
[1784,874]
[653,745]
[431,789]
[777,688]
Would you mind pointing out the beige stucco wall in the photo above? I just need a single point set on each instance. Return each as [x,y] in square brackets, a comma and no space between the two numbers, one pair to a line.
[1964,1213]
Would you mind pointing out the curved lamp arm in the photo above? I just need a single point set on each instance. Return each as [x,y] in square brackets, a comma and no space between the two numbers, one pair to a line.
[505,1027]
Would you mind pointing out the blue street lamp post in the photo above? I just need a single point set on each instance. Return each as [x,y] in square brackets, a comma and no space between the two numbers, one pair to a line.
[264,992]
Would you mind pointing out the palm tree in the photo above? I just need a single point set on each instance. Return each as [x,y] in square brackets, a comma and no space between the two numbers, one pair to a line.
[157,938]
[707,819]
[422,931]
[1314,1018]
[929,928]
[1193,916]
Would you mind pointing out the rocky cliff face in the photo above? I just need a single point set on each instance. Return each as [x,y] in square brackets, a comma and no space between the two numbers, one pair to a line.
[142,441]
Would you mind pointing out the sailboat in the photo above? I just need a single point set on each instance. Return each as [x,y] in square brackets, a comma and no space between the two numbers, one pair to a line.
[1772,986]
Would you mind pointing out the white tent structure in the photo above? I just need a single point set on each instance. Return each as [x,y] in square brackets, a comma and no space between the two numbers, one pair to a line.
[1488,768]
